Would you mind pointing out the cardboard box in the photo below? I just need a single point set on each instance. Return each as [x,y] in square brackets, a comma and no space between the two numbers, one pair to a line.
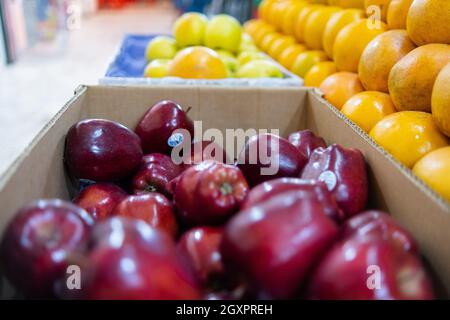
[39,171]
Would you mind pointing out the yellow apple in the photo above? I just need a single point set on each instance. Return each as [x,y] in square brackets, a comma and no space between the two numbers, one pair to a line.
[158,68]
[223,32]
[246,39]
[161,48]
[189,29]
[259,69]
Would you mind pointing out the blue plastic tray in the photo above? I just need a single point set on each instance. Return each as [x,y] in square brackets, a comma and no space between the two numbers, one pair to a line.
[129,65]
[130,62]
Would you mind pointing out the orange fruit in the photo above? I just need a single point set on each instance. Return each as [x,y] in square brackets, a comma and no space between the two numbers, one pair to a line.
[382,8]
[351,42]
[315,25]
[340,87]
[434,169]
[278,46]
[289,16]
[197,63]
[359,4]
[288,56]
[251,26]
[300,21]
[408,136]
[319,72]
[261,32]
[397,13]
[367,108]
[267,10]
[380,55]
[262,9]
[276,12]
[411,79]
[440,100]
[336,22]
[428,21]
[306,60]
[268,40]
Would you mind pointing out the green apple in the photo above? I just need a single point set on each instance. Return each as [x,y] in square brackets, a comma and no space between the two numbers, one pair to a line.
[161,47]
[259,69]
[189,29]
[223,32]
[247,56]
[230,61]
[158,68]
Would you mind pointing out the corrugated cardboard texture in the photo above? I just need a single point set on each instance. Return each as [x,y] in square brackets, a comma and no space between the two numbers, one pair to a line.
[39,172]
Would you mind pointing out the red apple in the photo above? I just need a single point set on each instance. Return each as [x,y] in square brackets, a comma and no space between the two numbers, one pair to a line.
[130,260]
[199,247]
[205,150]
[267,156]
[209,193]
[153,208]
[102,150]
[38,243]
[344,172]
[305,188]
[100,199]
[157,126]
[276,243]
[156,172]
[374,225]
[306,142]
[369,270]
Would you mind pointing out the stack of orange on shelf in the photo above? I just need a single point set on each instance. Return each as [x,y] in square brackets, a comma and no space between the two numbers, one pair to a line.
[384,63]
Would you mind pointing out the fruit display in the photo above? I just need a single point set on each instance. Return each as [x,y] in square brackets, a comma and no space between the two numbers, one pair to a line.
[215,48]
[382,63]
[145,226]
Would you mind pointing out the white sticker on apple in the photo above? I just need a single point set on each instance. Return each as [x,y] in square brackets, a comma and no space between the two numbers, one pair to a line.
[175,139]
[329,178]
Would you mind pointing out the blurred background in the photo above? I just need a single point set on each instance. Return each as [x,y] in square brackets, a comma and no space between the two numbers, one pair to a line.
[49,47]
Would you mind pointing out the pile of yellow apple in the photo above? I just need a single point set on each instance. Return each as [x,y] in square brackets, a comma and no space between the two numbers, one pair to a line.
[208,49]
[384,63]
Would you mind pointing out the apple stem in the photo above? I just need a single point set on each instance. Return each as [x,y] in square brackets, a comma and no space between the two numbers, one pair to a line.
[150,188]
[187,110]
[226,189]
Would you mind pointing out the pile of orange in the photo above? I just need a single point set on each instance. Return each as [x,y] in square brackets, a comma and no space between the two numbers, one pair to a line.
[384,63]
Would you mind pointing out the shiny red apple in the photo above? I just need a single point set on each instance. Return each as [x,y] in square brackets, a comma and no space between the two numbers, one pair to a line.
[275,244]
[199,247]
[268,156]
[157,170]
[209,193]
[129,260]
[306,142]
[39,242]
[305,188]
[102,150]
[369,270]
[100,199]
[157,126]
[376,225]
[344,172]
[153,208]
